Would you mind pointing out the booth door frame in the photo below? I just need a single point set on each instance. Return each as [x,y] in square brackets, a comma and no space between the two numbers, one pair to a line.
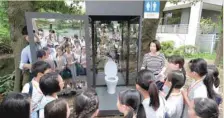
[124,40]
[30,15]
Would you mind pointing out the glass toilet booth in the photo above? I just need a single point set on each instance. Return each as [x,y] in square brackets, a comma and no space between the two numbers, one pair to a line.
[115,37]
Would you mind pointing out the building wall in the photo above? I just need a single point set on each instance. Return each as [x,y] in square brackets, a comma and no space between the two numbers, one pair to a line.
[185,16]
[214,2]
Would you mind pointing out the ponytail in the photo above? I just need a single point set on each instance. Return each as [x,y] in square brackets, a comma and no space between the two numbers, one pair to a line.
[216,81]
[177,78]
[214,70]
[141,112]
[154,95]
[171,89]
[208,81]
[130,114]
[184,73]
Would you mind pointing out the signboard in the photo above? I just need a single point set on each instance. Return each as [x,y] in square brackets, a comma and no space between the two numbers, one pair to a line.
[151,9]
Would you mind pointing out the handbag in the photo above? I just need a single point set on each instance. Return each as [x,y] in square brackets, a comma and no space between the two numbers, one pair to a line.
[66,73]
[80,69]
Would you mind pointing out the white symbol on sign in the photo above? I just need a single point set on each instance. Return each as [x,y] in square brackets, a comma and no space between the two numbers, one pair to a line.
[148,6]
[154,6]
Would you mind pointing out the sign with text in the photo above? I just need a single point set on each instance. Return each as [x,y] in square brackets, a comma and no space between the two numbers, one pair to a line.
[151,9]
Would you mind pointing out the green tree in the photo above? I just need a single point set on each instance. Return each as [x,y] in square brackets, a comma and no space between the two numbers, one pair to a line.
[4,30]
[219,49]
[150,25]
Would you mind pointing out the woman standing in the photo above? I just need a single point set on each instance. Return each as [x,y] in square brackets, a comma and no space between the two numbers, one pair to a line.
[60,60]
[83,60]
[154,60]
[70,61]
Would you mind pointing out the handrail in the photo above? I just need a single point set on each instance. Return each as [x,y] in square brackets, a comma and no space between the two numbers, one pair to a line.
[177,28]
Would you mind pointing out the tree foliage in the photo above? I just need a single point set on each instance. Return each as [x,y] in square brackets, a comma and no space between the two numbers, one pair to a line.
[4,25]
[207,25]
[58,6]
[4,29]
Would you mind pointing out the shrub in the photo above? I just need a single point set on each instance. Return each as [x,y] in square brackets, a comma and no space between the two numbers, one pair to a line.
[5,47]
[167,48]
[186,51]
[6,83]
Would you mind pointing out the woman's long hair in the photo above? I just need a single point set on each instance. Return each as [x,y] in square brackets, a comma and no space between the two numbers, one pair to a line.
[214,70]
[176,77]
[146,80]
[86,104]
[200,67]
[132,99]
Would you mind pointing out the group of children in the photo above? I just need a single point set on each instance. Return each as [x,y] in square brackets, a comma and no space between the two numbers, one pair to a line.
[66,58]
[156,95]
[201,99]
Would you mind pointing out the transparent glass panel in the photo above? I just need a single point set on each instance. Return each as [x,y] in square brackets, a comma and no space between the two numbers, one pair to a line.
[133,54]
[64,44]
[109,44]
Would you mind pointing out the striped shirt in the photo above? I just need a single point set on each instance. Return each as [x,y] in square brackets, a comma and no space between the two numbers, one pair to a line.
[153,63]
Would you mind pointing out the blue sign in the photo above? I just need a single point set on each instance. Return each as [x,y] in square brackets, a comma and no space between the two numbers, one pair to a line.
[151,9]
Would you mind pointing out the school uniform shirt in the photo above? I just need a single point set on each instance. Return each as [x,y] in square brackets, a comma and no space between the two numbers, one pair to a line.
[43,42]
[174,105]
[51,62]
[37,94]
[196,90]
[61,63]
[25,57]
[39,111]
[53,53]
[43,103]
[82,43]
[150,112]
[83,60]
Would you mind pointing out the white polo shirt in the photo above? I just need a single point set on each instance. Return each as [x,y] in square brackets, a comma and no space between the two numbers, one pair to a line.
[36,94]
[150,112]
[25,57]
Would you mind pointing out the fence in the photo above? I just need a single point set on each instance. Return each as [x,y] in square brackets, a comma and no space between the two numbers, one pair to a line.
[177,29]
[207,43]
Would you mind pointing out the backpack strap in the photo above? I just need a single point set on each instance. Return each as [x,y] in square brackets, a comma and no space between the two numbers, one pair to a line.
[55,63]
[38,113]
[182,113]
[30,88]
